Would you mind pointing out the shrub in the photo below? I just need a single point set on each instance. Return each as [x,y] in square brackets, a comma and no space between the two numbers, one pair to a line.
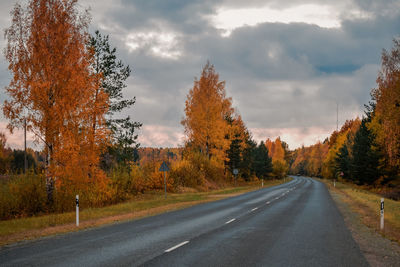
[23,195]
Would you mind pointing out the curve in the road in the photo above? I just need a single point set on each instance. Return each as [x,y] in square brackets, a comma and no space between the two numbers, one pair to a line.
[293,224]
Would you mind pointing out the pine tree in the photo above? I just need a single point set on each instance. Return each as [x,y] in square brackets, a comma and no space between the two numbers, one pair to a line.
[234,154]
[343,162]
[365,162]
[248,160]
[262,162]
[113,80]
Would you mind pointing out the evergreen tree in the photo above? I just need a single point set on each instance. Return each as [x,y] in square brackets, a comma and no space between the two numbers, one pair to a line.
[18,161]
[234,154]
[114,74]
[343,162]
[365,162]
[248,159]
[262,161]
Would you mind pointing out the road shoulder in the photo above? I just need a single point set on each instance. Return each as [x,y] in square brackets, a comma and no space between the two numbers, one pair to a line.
[378,251]
[27,229]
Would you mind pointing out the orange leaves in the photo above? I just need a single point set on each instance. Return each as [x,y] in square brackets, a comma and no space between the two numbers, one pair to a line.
[206,109]
[275,149]
[386,122]
[53,87]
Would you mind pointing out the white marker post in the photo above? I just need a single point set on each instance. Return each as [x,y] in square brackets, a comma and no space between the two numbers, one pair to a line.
[262,182]
[77,210]
[334,182]
[382,213]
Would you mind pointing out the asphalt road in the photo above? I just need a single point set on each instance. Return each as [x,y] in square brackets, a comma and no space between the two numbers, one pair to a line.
[293,224]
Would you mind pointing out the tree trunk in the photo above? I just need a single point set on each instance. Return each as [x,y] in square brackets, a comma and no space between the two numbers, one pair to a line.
[49,177]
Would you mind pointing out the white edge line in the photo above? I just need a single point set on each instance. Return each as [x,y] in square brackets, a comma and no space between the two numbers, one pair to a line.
[177,246]
[230,221]
[254,209]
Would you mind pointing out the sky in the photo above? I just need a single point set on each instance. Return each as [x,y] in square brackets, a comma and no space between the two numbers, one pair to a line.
[287,64]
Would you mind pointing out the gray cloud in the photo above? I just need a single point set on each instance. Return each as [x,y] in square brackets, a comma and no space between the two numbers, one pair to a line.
[280,76]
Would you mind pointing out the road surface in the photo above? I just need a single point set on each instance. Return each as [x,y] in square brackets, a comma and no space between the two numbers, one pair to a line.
[293,224]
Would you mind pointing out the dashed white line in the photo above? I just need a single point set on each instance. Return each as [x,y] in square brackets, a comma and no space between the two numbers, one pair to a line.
[230,221]
[277,198]
[254,209]
[177,246]
[267,202]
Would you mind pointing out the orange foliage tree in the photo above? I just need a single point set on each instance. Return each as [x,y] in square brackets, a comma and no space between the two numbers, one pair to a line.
[206,110]
[277,153]
[386,122]
[53,87]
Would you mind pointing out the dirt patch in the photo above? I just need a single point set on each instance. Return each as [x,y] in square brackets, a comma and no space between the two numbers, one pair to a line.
[378,250]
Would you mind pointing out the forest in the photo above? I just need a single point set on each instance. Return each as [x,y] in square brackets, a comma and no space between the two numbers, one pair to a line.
[68,92]
[365,151]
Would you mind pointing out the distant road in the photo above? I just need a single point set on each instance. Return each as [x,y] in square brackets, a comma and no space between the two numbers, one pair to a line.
[293,224]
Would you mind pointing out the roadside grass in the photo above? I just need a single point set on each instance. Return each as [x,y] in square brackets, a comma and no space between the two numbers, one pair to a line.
[140,206]
[367,204]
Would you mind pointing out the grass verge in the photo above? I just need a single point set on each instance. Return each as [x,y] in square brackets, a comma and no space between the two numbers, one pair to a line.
[148,204]
[367,205]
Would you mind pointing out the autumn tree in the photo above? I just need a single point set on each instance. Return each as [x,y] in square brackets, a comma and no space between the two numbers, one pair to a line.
[113,75]
[277,153]
[316,156]
[206,109]
[4,157]
[54,88]
[336,141]
[299,162]
[386,121]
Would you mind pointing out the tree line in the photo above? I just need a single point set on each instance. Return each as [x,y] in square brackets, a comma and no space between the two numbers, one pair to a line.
[67,88]
[216,133]
[365,150]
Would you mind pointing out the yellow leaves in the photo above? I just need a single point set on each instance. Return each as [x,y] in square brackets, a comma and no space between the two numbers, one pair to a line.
[275,149]
[206,110]
[277,153]
[386,122]
[280,168]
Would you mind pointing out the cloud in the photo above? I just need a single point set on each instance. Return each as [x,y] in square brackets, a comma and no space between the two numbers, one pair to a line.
[162,136]
[230,19]
[16,140]
[284,74]
[294,137]
[162,44]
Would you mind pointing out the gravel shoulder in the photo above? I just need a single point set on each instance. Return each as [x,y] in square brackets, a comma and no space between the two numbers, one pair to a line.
[378,250]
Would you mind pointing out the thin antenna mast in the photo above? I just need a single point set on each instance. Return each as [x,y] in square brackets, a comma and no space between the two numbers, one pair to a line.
[337,116]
